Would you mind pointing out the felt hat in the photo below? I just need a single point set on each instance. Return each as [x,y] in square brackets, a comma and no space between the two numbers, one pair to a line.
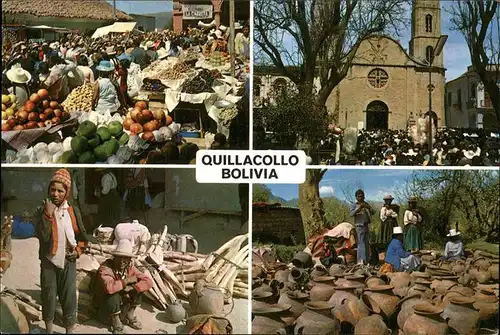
[18,75]
[388,197]
[105,66]
[124,249]
[453,232]
[397,230]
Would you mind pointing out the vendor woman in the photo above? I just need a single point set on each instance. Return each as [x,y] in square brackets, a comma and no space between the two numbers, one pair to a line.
[454,248]
[399,259]
[105,93]
[413,222]
[388,220]
[61,235]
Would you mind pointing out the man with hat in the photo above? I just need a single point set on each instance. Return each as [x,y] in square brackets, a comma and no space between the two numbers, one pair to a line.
[362,212]
[119,287]
[397,257]
[454,249]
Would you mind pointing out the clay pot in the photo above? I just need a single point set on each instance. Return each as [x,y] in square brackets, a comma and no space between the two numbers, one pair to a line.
[262,288]
[282,275]
[342,293]
[401,292]
[206,299]
[482,264]
[400,279]
[351,311]
[318,272]
[384,298]
[464,279]
[473,272]
[493,270]
[336,270]
[483,277]
[374,281]
[321,292]
[314,323]
[321,307]
[175,312]
[465,291]
[373,324]
[442,286]
[425,320]
[487,304]
[302,260]
[417,274]
[296,299]
[327,280]
[354,281]
[458,268]
[461,315]
[266,325]
[262,296]
[406,309]
[257,271]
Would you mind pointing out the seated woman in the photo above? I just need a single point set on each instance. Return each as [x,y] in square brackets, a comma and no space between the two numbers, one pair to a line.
[105,93]
[454,248]
[397,257]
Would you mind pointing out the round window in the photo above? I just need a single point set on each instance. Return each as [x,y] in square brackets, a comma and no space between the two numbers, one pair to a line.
[378,78]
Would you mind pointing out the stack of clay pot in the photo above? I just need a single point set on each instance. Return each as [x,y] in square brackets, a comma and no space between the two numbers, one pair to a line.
[302,299]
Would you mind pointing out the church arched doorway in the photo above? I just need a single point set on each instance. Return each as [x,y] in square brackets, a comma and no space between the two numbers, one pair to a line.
[377,115]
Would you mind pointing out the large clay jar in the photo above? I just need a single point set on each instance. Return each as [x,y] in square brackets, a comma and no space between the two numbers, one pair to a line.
[341,293]
[406,309]
[373,324]
[418,274]
[374,281]
[351,311]
[296,299]
[399,279]
[458,268]
[321,307]
[321,292]
[336,270]
[442,286]
[425,320]
[266,297]
[266,325]
[483,277]
[206,299]
[314,323]
[327,280]
[282,275]
[351,280]
[487,304]
[318,272]
[384,298]
[493,270]
[461,315]
[302,260]
[482,264]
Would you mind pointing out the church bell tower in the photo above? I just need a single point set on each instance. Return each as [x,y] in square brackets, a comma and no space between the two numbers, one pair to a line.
[425,30]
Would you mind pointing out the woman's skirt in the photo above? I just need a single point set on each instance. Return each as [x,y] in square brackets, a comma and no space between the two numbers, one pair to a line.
[385,233]
[413,238]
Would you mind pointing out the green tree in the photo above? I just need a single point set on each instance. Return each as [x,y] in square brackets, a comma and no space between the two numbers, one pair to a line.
[261,193]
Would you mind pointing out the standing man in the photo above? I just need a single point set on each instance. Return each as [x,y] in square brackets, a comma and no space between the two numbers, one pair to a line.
[362,212]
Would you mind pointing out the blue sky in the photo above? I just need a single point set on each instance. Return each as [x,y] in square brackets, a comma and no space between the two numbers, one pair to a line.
[375,183]
[143,6]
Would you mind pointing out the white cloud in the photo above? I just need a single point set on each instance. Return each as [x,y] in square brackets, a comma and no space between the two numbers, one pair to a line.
[326,191]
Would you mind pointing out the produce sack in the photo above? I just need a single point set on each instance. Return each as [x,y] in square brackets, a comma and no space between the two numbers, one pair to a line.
[135,232]
[350,140]
[208,324]
[22,229]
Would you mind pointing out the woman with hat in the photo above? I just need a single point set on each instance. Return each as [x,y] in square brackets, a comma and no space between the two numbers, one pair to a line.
[397,257]
[19,79]
[454,248]
[388,220]
[61,235]
[119,288]
[413,220]
[105,93]
[108,210]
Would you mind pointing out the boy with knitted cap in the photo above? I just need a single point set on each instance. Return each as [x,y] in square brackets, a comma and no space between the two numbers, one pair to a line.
[61,234]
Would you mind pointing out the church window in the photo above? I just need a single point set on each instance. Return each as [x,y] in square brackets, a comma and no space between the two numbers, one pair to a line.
[473,91]
[429,54]
[428,23]
[378,78]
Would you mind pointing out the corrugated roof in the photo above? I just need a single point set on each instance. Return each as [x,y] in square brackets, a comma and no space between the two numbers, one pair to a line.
[92,9]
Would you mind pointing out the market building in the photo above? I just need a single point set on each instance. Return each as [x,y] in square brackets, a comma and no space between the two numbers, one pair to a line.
[189,12]
[387,86]
[468,104]
[144,22]
[81,15]
[274,223]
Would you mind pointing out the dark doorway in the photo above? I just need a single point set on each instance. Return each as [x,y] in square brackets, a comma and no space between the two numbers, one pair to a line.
[377,115]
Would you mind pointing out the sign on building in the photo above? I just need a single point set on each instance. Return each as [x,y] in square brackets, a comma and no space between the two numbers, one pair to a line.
[196,12]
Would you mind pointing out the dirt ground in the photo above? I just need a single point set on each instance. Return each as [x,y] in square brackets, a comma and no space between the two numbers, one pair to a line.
[24,275]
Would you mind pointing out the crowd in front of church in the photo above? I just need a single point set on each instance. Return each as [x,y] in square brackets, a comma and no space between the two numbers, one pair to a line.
[451,147]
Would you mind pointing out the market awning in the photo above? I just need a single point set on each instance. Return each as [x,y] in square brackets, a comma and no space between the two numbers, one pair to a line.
[102,31]
[117,27]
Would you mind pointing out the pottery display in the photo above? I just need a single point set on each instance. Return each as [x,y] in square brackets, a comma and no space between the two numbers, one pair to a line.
[315,323]
[406,308]
[425,320]
[461,315]
[384,298]
[373,324]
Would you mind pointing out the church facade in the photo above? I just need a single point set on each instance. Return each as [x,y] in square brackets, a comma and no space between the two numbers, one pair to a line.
[386,87]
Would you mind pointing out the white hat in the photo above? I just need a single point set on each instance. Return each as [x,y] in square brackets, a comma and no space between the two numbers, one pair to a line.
[162,53]
[218,33]
[124,249]
[397,230]
[18,75]
[110,50]
[453,232]
[388,197]
[238,26]
[223,28]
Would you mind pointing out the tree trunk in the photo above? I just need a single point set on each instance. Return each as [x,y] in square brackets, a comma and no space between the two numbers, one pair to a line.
[311,204]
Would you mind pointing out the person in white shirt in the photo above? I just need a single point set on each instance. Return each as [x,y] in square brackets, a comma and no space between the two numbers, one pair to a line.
[413,221]
[242,43]
[388,220]
[454,248]
[108,211]
[19,79]
[83,66]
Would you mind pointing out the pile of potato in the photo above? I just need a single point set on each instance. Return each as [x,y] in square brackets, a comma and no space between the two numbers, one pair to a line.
[80,99]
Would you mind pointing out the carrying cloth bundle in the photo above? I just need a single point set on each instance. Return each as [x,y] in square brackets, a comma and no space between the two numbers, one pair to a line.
[208,324]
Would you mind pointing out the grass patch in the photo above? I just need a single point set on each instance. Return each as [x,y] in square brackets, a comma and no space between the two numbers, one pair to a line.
[483,246]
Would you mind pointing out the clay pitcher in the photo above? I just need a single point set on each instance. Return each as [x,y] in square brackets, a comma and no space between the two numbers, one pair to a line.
[351,311]
[321,292]
[206,299]
[374,281]
[406,309]
[385,299]
[487,304]
[314,323]
[426,320]
[175,312]
[461,315]
[296,299]
[373,324]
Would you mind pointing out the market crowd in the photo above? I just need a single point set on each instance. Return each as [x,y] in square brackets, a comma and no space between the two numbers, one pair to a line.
[75,60]
[451,147]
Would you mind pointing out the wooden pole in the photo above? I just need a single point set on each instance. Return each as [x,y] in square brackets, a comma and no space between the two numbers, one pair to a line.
[231,36]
